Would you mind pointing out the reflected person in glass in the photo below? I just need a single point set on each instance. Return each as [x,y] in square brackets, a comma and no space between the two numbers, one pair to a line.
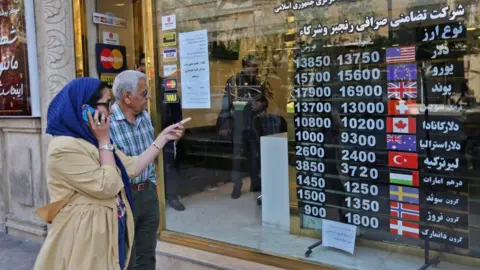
[244,100]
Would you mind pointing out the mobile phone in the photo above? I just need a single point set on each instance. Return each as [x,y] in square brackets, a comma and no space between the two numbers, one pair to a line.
[87,108]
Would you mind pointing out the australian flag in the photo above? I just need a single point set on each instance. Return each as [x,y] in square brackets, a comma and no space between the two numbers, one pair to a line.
[402,90]
[402,142]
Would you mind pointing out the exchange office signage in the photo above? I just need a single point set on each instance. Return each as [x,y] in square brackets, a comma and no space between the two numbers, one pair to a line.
[374,146]
[14,77]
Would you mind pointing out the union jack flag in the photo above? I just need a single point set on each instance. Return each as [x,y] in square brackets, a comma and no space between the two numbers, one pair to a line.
[402,90]
[394,138]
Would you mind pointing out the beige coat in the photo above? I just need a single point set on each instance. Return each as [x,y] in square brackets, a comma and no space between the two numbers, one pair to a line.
[84,232]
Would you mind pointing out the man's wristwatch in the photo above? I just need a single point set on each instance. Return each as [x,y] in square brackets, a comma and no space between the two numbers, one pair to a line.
[108,147]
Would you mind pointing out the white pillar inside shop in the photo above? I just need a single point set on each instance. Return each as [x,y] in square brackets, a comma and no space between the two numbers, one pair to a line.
[275,194]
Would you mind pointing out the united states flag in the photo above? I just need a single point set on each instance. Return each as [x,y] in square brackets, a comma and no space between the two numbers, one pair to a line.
[401,54]
[402,90]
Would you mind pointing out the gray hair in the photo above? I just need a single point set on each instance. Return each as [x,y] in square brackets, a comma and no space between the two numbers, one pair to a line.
[126,82]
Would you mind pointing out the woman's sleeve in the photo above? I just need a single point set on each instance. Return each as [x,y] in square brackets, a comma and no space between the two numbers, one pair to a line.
[76,167]
[130,163]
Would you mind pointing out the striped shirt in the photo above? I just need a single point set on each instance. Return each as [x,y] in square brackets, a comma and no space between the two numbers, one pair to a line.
[133,139]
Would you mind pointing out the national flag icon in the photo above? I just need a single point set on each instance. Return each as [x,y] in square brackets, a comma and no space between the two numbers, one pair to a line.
[402,107]
[403,160]
[405,211]
[405,228]
[407,178]
[402,142]
[402,90]
[400,54]
[404,194]
[403,72]
[403,125]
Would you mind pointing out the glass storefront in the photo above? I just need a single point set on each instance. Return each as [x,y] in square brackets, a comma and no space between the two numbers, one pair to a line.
[358,112]
[319,117]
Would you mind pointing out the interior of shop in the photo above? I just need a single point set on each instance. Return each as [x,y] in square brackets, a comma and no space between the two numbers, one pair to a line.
[246,39]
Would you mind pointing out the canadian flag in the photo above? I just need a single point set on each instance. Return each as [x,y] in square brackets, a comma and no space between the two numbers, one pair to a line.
[403,125]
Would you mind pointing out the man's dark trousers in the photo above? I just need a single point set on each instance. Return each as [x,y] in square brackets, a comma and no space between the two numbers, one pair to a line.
[147,218]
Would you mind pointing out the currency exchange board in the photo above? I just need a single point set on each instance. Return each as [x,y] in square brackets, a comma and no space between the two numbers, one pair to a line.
[384,130]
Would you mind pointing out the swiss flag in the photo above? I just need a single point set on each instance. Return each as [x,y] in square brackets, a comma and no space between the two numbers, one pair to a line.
[403,125]
[402,107]
[403,160]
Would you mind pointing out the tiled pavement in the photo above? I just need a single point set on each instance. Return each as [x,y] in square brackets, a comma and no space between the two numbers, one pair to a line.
[17,253]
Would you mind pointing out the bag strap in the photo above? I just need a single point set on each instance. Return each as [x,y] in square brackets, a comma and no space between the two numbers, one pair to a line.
[49,211]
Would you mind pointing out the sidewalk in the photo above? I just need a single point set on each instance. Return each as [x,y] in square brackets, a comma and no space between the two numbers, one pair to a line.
[17,253]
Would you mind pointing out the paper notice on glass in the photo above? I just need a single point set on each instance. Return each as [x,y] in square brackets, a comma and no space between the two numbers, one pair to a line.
[194,70]
[339,235]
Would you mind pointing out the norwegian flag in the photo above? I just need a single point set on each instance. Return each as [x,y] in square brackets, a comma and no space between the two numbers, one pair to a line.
[402,90]
[405,211]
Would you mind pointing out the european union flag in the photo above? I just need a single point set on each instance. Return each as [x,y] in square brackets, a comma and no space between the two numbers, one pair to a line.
[405,72]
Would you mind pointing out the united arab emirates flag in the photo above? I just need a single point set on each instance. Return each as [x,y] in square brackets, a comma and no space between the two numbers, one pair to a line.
[406,178]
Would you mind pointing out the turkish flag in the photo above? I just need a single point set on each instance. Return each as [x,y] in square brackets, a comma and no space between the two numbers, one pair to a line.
[403,160]
[402,107]
[403,125]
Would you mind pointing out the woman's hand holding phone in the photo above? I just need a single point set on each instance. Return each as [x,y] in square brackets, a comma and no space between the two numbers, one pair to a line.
[100,126]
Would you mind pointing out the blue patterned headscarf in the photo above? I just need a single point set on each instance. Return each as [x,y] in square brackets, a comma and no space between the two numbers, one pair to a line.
[65,118]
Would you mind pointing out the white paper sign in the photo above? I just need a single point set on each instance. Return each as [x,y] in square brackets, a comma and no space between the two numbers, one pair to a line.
[339,235]
[195,70]
[111,38]
[169,70]
[169,22]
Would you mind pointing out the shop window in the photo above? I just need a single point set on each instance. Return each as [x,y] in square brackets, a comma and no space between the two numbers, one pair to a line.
[357,112]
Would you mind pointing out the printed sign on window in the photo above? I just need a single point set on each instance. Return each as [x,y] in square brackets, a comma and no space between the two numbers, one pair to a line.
[169,22]
[170,55]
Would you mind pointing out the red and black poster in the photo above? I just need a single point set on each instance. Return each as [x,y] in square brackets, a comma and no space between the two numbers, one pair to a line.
[14,77]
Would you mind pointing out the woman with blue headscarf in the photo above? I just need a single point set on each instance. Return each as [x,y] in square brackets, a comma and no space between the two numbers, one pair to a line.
[88,182]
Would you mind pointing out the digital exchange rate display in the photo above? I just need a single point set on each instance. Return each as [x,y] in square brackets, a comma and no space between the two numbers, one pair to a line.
[374,147]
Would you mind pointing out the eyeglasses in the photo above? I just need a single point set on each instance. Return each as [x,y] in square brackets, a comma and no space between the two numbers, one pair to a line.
[105,104]
[143,94]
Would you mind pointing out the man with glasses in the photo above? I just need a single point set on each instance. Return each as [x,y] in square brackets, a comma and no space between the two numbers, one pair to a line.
[132,131]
